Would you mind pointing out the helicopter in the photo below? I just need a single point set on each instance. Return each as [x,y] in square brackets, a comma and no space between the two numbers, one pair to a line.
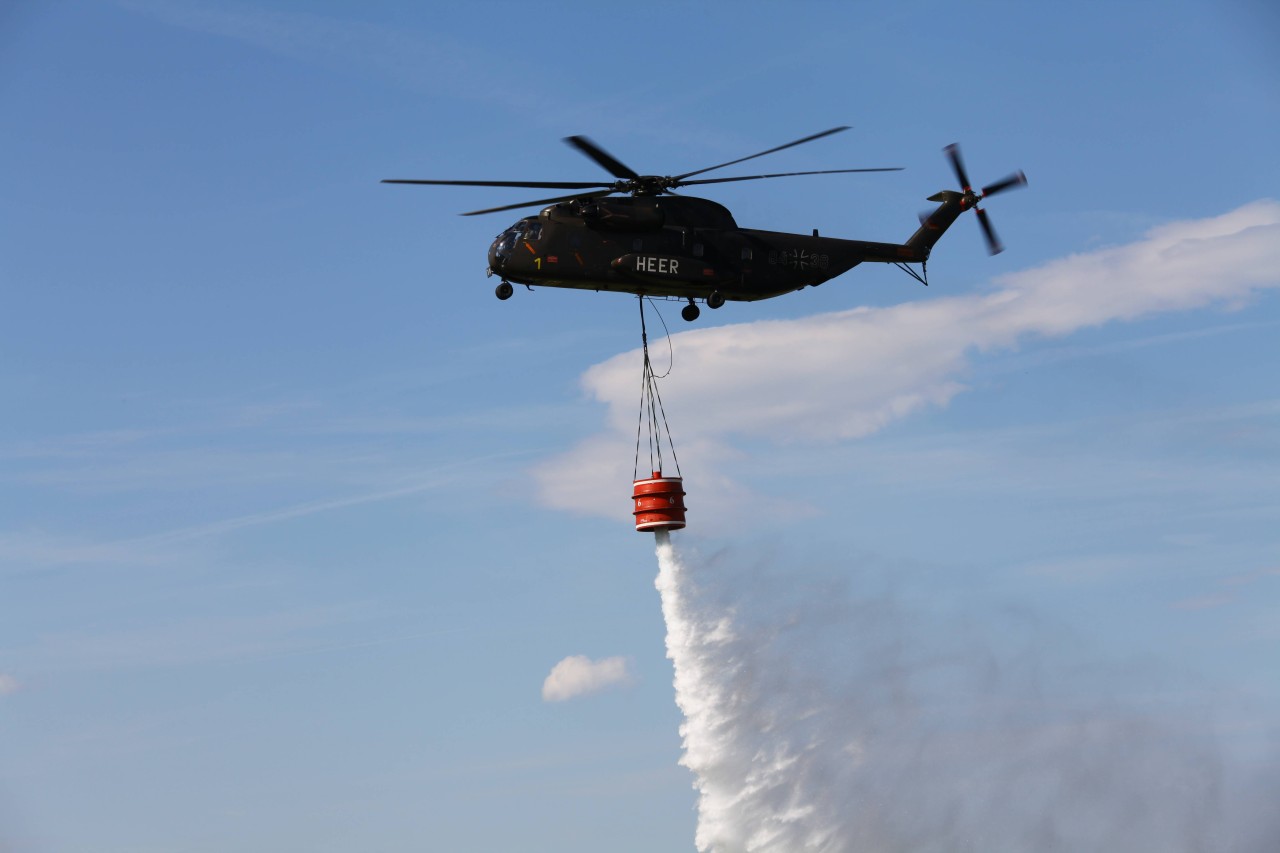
[652,242]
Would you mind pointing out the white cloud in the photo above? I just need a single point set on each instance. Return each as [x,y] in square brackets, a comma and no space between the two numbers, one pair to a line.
[847,374]
[578,675]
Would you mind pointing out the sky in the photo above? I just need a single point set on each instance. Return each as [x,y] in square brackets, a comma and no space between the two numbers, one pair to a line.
[307,542]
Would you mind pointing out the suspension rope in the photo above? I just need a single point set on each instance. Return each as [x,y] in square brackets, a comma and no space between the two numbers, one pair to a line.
[651,408]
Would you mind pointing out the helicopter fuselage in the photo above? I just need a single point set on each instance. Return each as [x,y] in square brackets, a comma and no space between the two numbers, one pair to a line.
[677,246]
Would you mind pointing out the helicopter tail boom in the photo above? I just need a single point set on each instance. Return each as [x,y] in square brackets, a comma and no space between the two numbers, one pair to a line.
[935,224]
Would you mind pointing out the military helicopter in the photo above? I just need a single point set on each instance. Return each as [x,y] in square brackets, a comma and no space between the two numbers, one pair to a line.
[656,243]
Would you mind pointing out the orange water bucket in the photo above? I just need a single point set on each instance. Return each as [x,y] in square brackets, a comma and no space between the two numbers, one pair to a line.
[659,503]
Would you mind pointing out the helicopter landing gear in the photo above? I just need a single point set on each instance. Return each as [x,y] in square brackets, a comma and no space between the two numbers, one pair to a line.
[690,312]
[715,300]
[504,290]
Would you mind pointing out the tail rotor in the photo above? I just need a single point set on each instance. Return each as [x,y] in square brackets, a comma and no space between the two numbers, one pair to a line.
[971,198]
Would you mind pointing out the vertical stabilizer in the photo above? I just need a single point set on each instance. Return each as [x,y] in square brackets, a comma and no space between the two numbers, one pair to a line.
[934,225]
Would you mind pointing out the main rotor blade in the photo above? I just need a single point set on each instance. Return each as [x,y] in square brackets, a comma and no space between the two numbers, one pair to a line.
[1017,179]
[785,175]
[611,164]
[545,185]
[762,153]
[994,246]
[953,151]
[556,200]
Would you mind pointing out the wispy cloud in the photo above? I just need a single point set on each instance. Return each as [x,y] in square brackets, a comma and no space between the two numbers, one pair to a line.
[1228,589]
[1067,352]
[228,525]
[36,549]
[198,639]
[31,550]
[845,375]
[474,72]
[414,59]
[579,675]
[1132,453]
[1202,602]
[470,72]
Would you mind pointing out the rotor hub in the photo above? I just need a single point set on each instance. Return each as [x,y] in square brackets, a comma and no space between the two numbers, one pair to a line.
[648,185]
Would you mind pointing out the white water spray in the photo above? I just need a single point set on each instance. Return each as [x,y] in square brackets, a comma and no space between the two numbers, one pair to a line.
[816,721]
[749,797]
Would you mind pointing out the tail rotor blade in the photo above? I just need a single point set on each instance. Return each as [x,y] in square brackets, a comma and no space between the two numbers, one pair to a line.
[953,152]
[994,246]
[1017,179]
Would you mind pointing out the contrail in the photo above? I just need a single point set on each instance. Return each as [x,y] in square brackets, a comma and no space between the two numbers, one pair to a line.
[818,721]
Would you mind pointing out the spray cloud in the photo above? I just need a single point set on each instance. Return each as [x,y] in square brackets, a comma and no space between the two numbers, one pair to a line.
[819,721]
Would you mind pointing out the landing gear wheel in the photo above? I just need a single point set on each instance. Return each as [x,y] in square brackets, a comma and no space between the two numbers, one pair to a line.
[504,290]
[690,312]
[715,300]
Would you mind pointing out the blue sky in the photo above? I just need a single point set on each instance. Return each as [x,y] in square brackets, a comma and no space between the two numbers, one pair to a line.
[296,519]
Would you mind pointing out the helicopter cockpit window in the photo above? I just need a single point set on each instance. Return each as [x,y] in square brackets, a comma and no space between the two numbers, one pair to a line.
[507,241]
[533,232]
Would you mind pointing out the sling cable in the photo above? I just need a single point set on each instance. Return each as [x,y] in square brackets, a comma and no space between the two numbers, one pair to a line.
[659,499]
